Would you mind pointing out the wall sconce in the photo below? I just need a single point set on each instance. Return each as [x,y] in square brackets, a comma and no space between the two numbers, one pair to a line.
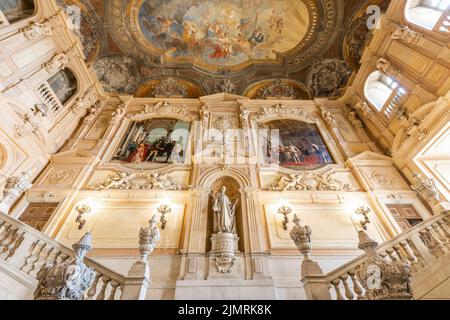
[364,211]
[164,208]
[285,210]
[82,208]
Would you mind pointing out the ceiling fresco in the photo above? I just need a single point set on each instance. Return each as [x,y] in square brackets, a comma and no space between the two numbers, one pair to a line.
[223,32]
[299,49]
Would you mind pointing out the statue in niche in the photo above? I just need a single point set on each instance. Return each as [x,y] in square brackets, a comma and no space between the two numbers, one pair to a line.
[224,213]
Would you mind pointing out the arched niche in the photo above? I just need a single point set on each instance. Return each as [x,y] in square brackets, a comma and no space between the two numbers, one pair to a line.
[12,11]
[383,92]
[233,192]
[64,85]
[429,14]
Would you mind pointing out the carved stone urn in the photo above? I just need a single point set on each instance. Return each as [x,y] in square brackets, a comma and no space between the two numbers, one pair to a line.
[68,280]
[383,279]
[148,239]
[302,238]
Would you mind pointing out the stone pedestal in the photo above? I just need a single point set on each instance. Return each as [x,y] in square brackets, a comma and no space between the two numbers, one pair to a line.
[222,260]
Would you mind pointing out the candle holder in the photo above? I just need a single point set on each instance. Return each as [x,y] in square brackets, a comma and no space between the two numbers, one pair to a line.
[364,211]
[164,209]
[285,210]
[82,208]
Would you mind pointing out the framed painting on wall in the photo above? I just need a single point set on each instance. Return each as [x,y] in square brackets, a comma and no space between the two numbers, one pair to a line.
[154,141]
[294,145]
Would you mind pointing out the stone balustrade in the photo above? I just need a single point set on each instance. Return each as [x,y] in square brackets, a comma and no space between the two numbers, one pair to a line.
[418,248]
[27,252]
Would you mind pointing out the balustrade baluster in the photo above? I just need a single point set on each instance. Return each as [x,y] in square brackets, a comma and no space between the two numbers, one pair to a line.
[431,242]
[348,292]
[5,233]
[36,260]
[114,286]
[442,237]
[410,256]
[20,236]
[336,284]
[93,290]
[356,287]
[444,229]
[391,255]
[102,294]
[416,253]
[401,254]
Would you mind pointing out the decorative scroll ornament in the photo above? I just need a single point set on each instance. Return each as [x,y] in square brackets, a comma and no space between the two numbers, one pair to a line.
[119,114]
[162,107]
[328,77]
[276,88]
[223,123]
[407,35]
[169,88]
[353,118]
[35,30]
[282,111]
[363,107]
[67,280]
[382,279]
[301,237]
[13,188]
[87,100]
[57,63]
[142,180]
[148,239]
[244,118]
[328,118]
[309,182]
[426,188]
[387,68]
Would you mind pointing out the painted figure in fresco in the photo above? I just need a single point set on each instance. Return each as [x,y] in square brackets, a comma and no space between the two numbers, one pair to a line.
[257,37]
[300,145]
[154,141]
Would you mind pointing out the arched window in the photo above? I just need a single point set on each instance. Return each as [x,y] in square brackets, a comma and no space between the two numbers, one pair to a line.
[12,11]
[383,92]
[58,90]
[429,14]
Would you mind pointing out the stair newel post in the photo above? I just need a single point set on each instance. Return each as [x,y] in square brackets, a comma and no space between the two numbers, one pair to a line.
[314,281]
[138,280]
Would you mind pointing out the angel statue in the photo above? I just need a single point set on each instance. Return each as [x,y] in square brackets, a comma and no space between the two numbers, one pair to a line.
[224,212]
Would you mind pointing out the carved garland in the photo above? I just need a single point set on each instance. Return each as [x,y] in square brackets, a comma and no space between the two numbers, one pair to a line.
[309,182]
[142,180]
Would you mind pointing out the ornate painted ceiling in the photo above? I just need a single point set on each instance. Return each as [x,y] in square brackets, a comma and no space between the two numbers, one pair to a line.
[259,48]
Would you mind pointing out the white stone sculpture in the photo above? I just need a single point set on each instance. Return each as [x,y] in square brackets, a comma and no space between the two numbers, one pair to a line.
[224,240]
[407,35]
[68,280]
[13,188]
[141,180]
[57,63]
[387,68]
[382,279]
[353,118]
[148,239]
[425,187]
[35,30]
[119,114]
[224,212]
[328,118]
[301,237]
[309,182]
